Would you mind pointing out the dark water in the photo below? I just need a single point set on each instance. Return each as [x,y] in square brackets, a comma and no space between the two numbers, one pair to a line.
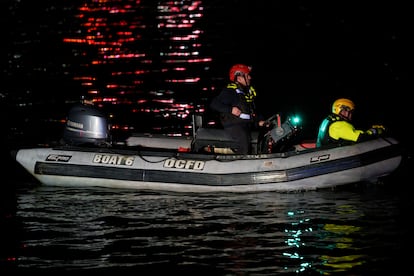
[361,230]
[151,64]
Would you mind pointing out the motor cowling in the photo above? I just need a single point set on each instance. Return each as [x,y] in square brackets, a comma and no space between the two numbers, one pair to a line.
[86,125]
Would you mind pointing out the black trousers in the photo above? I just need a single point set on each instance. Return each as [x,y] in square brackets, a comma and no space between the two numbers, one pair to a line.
[241,134]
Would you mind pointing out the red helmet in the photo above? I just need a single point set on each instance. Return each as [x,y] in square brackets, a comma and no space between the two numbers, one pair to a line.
[239,69]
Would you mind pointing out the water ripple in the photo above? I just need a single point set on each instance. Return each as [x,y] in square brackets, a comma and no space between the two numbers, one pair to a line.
[322,232]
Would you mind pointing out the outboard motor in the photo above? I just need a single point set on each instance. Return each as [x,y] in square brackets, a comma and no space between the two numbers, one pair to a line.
[85,125]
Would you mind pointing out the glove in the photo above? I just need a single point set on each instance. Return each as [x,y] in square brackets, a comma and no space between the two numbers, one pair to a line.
[376,130]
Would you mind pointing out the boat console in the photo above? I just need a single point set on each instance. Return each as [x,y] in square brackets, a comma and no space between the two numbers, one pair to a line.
[274,138]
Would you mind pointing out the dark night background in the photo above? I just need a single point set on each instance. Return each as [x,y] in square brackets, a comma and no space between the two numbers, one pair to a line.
[304,55]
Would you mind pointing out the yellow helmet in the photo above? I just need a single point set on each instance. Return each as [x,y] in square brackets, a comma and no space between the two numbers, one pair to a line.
[340,104]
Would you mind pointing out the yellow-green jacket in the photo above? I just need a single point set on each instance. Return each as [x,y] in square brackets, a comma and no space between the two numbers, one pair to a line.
[335,130]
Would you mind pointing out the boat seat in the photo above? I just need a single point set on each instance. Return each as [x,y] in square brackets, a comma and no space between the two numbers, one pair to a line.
[217,138]
[212,137]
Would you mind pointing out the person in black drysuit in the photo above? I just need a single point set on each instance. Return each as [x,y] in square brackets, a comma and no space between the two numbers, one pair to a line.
[236,106]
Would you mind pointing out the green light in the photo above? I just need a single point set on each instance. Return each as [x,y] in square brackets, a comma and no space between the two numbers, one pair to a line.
[295,120]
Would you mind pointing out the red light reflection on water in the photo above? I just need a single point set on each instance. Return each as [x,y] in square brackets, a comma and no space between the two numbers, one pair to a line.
[129,49]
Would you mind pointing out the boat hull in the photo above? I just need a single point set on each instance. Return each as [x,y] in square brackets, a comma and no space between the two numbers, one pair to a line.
[169,170]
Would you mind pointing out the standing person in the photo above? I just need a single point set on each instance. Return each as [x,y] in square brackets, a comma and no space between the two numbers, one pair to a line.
[236,105]
[337,128]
